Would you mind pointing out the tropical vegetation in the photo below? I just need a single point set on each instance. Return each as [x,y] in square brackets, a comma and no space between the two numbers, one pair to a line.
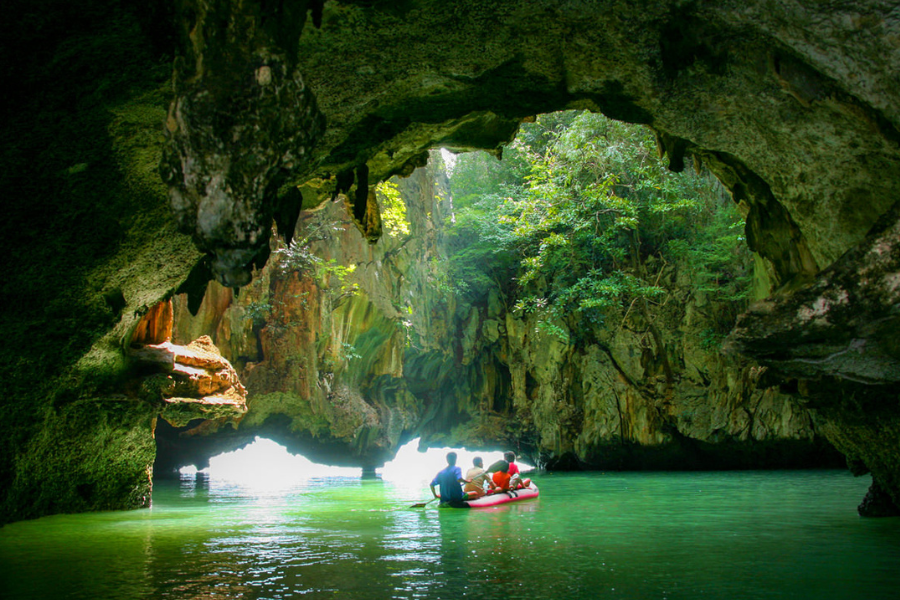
[582,221]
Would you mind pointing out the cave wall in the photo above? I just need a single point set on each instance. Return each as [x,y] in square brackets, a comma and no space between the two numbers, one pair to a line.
[321,347]
[89,244]
[792,103]
[348,371]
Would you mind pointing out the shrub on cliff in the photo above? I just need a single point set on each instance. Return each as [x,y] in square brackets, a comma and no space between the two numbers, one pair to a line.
[585,215]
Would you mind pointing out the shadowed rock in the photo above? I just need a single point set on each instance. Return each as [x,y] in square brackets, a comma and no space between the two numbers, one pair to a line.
[845,325]
[241,119]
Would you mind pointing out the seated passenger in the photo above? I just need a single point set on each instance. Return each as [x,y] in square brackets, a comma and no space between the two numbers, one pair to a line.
[510,457]
[449,479]
[501,478]
[477,477]
[516,482]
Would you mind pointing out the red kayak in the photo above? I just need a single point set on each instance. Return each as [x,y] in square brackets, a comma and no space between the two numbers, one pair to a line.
[498,498]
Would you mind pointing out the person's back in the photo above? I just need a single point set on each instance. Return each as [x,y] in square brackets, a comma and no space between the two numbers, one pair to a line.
[449,479]
[501,479]
[477,477]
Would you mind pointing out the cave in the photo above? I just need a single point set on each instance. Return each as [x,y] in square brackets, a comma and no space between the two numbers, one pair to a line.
[148,151]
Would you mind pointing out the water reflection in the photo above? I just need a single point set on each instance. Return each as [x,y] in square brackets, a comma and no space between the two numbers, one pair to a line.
[678,536]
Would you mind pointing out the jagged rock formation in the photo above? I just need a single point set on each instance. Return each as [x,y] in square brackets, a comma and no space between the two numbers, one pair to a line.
[189,386]
[241,115]
[794,105]
[846,325]
[320,348]
[838,342]
[349,373]
[197,383]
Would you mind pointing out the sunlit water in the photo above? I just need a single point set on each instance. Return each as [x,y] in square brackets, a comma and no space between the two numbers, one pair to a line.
[731,535]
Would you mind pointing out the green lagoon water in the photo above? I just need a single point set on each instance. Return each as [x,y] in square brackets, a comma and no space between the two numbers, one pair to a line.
[726,535]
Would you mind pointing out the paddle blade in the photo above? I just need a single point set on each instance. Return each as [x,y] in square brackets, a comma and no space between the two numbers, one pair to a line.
[500,465]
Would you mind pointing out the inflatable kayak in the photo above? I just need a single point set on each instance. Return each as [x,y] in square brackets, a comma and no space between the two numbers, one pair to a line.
[498,498]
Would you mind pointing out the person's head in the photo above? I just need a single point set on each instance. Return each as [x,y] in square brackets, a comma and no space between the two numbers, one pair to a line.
[451,458]
[509,456]
[478,462]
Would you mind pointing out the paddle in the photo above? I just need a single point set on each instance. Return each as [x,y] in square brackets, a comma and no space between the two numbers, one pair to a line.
[421,504]
[500,465]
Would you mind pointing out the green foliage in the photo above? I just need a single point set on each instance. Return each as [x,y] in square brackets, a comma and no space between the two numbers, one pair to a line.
[348,352]
[298,257]
[393,209]
[576,213]
[481,254]
[257,312]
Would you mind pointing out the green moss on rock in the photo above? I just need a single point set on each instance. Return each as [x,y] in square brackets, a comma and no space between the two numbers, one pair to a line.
[89,243]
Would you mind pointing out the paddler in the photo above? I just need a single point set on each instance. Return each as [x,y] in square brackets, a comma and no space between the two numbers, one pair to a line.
[449,480]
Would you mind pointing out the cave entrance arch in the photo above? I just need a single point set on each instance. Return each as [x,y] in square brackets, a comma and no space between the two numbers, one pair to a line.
[265,463]
[797,108]
[798,124]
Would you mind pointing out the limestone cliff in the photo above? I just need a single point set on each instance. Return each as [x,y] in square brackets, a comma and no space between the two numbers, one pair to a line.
[792,104]
[346,371]
[320,336]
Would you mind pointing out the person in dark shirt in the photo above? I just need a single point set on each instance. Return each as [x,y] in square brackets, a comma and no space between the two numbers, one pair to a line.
[449,480]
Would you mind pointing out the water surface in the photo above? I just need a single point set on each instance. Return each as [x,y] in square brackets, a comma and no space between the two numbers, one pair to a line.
[728,535]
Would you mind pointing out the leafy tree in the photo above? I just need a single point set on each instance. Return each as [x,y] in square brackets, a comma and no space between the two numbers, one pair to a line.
[578,211]
[393,209]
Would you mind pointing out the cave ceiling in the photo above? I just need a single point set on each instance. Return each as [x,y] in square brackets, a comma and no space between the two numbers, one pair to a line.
[276,106]
[792,104]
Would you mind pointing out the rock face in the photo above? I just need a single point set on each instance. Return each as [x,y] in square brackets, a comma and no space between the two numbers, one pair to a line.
[189,386]
[197,382]
[846,325]
[794,105]
[836,341]
[241,114]
[347,371]
[320,336]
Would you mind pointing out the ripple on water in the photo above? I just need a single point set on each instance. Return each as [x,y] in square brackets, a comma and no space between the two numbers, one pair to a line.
[633,535]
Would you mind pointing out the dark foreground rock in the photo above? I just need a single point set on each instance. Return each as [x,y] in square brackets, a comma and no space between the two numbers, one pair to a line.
[878,504]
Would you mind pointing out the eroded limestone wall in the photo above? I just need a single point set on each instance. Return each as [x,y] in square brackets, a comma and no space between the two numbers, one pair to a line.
[348,370]
[792,103]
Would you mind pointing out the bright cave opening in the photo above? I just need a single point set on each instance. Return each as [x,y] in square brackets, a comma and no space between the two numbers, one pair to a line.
[265,465]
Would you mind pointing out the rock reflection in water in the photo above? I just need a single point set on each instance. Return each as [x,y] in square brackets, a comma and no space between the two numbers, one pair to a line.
[681,536]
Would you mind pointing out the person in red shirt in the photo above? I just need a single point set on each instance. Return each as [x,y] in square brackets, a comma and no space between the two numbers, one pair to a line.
[501,479]
[510,457]
[516,482]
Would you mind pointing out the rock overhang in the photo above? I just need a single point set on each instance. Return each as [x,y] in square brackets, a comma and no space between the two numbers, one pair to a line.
[795,106]
[726,82]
